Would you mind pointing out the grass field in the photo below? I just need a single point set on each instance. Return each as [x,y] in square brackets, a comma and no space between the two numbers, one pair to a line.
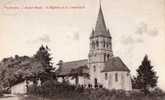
[53,91]
[99,94]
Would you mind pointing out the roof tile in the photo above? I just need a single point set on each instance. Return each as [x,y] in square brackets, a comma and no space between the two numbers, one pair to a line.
[115,64]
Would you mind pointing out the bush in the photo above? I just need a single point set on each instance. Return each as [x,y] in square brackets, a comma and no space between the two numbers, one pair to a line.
[64,91]
[1,93]
[52,88]
[157,92]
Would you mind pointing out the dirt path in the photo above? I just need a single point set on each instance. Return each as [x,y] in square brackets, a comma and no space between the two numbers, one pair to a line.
[10,98]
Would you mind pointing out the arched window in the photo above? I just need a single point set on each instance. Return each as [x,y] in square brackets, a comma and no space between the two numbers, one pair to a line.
[106,76]
[104,57]
[97,43]
[104,43]
[94,68]
[107,45]
[93,44]
[116,77]
[108,57]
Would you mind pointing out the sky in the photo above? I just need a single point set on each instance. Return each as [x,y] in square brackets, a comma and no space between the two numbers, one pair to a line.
[137,28]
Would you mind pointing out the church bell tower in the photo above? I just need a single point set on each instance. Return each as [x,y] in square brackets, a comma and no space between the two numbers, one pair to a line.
[100,49]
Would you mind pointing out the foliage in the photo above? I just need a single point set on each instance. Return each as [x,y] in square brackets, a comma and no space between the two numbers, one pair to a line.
[157,92]
[13,69]
[1,93]
[53,90]
[44,57]
[51,87]
[134,83]
[18,68]
[146,76]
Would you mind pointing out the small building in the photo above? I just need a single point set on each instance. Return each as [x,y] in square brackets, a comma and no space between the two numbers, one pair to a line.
[19,88]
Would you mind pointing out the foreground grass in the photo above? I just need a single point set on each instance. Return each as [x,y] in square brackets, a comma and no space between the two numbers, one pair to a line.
[112,98]
[51,90]
[30,97]
[34,98]
[99,94]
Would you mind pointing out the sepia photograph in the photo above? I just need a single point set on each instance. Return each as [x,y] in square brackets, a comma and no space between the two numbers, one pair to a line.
[82,49]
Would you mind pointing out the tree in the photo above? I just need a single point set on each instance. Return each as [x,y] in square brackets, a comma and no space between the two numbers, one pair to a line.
[146,76]
[19,68]
[134,83]
[44,57]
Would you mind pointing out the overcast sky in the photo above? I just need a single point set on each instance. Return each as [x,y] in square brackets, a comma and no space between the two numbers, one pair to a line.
[137,28]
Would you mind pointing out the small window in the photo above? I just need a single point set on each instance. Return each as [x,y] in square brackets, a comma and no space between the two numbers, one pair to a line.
[104,57]
[93,44]
[107,44]
[94,68]
[97,43]
[104,43]
[106,76]
[116,77]
[108,57]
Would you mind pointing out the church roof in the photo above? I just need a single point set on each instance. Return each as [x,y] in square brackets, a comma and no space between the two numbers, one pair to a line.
[100,28]
[67,67]
[115,64]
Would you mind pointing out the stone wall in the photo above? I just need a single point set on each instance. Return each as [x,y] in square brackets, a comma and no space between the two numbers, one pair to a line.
[123,80]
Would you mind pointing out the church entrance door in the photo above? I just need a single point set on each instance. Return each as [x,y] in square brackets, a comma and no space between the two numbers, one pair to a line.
[96,83]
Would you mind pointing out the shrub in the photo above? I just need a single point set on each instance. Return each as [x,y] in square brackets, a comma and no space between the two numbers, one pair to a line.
[64,91]
[53,88]
[157,92]
[1,93]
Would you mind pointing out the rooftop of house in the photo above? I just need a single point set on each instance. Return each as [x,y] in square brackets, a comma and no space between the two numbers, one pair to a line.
[66,68]
[115,64]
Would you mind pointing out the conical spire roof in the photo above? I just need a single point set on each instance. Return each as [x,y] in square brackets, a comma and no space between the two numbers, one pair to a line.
[100,28]
[100,24]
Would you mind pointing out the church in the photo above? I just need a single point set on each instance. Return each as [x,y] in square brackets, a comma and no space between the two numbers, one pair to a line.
[102,68]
